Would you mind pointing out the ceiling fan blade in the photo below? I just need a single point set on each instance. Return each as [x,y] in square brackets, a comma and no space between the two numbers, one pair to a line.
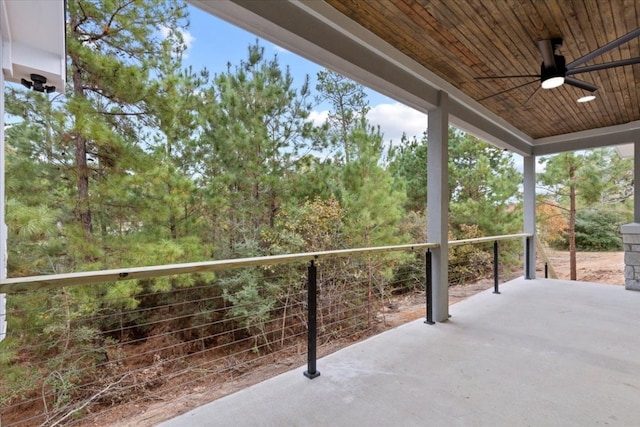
[506,90]
[533,95]
[580,84]
[607,47]
[604,66]
[517,76]
[546,49]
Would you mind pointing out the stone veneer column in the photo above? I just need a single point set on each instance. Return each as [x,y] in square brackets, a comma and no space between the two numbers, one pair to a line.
[631,243]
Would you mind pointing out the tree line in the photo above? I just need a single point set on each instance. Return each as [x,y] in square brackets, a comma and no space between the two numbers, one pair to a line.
[145,161]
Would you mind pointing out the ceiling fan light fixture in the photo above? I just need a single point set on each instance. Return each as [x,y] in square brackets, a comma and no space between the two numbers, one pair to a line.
[586,98]
[552,82]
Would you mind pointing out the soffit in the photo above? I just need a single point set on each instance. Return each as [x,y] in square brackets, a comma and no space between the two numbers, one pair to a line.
[462,40]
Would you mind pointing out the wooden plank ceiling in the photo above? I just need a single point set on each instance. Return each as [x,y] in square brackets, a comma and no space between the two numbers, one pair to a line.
[460,40]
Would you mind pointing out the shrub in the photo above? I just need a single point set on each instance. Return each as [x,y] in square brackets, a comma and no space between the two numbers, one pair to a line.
[596,230]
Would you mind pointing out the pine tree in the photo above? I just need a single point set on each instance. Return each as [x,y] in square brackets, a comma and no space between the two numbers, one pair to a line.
[349,106]
[256,130]
[483,186]
[173,202]
[112,48]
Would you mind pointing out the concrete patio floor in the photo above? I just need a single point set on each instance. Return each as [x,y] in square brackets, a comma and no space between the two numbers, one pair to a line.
[543,353]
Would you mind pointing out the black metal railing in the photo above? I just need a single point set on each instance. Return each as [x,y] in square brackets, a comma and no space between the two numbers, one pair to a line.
[81,342]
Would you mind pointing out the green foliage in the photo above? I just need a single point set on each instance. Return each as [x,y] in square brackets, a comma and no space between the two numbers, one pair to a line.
[483,182]
[597,179]
[256,124]
[146,162]
[349,109]
[469,262]
[483,186]
[251,295]
[32,232]
[372,199]
[314,226]
[596,230]
[409,165]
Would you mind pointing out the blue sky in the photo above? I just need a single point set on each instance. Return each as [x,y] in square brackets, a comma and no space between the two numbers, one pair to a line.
[213,43]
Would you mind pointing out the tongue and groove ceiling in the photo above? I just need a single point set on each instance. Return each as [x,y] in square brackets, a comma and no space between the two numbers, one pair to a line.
[447,44]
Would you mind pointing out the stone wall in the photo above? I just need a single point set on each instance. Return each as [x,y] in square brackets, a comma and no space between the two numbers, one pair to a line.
[631,243]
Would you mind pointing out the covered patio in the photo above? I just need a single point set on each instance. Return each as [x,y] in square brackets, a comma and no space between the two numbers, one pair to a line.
[544,352]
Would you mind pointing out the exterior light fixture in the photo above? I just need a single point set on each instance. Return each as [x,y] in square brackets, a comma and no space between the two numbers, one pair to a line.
[587,98]
[38,83]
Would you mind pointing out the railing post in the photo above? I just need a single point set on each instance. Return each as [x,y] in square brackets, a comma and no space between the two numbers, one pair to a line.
[527,262]
[428,288]
[495,268]
[546,270]
[312,327]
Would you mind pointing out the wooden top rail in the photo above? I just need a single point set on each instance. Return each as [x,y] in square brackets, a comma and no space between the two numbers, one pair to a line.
[32,283]
[487,239]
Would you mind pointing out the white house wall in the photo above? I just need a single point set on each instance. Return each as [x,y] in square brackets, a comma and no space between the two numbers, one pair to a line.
[33,40]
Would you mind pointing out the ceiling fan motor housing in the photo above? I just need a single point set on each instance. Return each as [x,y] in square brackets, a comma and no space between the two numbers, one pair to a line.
[558,70]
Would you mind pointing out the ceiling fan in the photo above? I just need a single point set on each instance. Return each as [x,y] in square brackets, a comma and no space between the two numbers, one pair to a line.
[554,71]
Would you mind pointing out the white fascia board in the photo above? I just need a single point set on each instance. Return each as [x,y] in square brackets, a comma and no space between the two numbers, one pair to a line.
[26,60]
[318,32]
[7,65]
[5,26]
[593,138]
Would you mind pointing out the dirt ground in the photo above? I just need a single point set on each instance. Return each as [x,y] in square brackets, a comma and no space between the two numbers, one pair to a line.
[601,267]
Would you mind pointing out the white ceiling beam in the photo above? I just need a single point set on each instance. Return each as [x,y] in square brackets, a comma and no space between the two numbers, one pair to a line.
[588,139]
[473,122]
[26,60]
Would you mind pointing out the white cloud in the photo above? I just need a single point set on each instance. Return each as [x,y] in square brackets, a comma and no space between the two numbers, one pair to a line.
[187,38]
[396,119]
[393,119]
[318,117]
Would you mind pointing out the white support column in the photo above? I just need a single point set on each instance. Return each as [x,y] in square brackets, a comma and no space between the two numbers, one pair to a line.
[3,227]
[438,204]
[529,199]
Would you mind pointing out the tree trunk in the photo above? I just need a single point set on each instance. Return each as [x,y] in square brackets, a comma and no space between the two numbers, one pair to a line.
[572,226]
[173,220]
[173,228]
[83,208]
